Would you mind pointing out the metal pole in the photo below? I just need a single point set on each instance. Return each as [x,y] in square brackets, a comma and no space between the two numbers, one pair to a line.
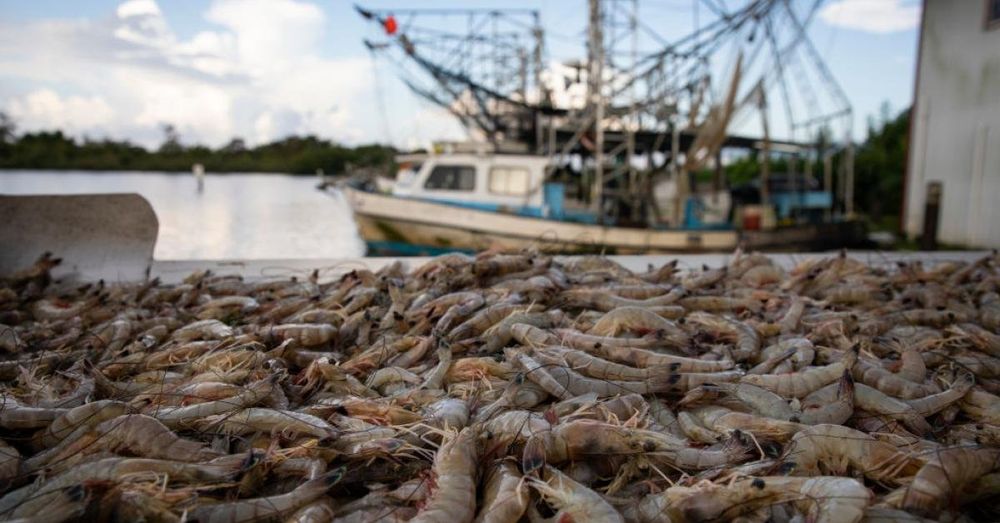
[932,208]
[849,179]
[544,98]
[828,184]
[596,99]
[680,186]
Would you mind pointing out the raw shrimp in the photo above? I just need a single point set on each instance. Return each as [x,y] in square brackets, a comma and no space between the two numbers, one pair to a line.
[504,497]
[453,499]
[250,420]
[835,449]
[801,384]
[945,474]
[640,321]
[580,439]
[762,401]
[266,508]
[573,501]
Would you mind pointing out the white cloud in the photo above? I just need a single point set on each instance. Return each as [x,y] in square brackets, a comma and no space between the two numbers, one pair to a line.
[875,16]
[138,8]
[259,75]
[45,109]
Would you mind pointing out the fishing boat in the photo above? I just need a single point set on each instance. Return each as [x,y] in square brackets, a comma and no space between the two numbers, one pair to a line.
[606,155]
[469,202]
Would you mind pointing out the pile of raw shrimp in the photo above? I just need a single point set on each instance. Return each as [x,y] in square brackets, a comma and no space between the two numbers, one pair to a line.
[507,387]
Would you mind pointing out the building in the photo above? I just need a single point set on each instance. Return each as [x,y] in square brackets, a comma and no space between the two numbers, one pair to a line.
[955,128]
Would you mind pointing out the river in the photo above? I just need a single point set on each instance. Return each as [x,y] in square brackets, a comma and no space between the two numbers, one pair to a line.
[244,216]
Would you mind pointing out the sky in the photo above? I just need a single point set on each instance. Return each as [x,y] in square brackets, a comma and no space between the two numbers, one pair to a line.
[265,69]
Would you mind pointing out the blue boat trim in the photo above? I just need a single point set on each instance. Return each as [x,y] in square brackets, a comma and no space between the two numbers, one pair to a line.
[389,248]
[528,211]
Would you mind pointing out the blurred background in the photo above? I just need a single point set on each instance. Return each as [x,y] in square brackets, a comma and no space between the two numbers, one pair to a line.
[264,129]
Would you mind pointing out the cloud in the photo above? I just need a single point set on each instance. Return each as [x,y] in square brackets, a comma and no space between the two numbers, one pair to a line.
[256,73]
[874,16]
[45,109]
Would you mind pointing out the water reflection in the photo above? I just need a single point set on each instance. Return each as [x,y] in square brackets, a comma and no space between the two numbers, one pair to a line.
[247,216]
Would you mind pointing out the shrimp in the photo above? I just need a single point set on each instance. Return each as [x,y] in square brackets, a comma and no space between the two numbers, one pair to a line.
[824,499]
[318,511]
[981,406]
[270,420]
[574,501]
[762,401]
[504,498]
[945,475]
[488,317]
[801,384]
[889,383]
[744,336]
[693,428]
[16,416]
[577,384]
[762,275]
[435,378]
[10,463]
[718,304]
[540,375]
[306,334]
[835,449]
[221,308]
[721,420]
[141,435]
[789,322]
[641,321]
[580,439]
[66,504]
[86,415]
[453,500]
[935,403]
[706,278]
[737,448]
[579,340]
[257,509]
[500,334]
[203,330]
[181,416]
[872,400]
[831,404]
[501,264]
[29,499]
[799,351]
[600,368]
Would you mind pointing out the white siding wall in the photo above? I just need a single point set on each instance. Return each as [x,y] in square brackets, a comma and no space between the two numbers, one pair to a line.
[956,132]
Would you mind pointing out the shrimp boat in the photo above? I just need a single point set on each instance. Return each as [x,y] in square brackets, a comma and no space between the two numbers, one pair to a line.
[472,201]
[609,155]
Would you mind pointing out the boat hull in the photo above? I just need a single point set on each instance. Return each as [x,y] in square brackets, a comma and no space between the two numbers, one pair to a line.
[387,221]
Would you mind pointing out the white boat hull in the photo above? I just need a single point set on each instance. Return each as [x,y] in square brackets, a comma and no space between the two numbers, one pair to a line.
[384,219]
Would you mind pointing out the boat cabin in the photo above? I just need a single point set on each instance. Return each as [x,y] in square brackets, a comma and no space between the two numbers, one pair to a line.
[507,183]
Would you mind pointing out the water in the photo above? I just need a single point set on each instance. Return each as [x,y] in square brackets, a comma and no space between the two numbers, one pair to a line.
[246,216]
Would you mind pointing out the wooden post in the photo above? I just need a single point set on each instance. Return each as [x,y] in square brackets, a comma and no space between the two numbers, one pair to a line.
[932,208]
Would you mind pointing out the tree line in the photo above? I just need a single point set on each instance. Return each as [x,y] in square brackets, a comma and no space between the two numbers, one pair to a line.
[294,154]
[879,166]
[880,160]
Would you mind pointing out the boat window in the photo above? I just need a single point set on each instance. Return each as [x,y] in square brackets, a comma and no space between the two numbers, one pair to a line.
[509,180]
[452,178]
[407,172]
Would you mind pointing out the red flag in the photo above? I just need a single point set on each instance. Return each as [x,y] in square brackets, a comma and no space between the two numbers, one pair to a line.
[390,25]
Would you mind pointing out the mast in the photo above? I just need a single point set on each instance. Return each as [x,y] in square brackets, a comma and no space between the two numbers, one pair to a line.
[596,100]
